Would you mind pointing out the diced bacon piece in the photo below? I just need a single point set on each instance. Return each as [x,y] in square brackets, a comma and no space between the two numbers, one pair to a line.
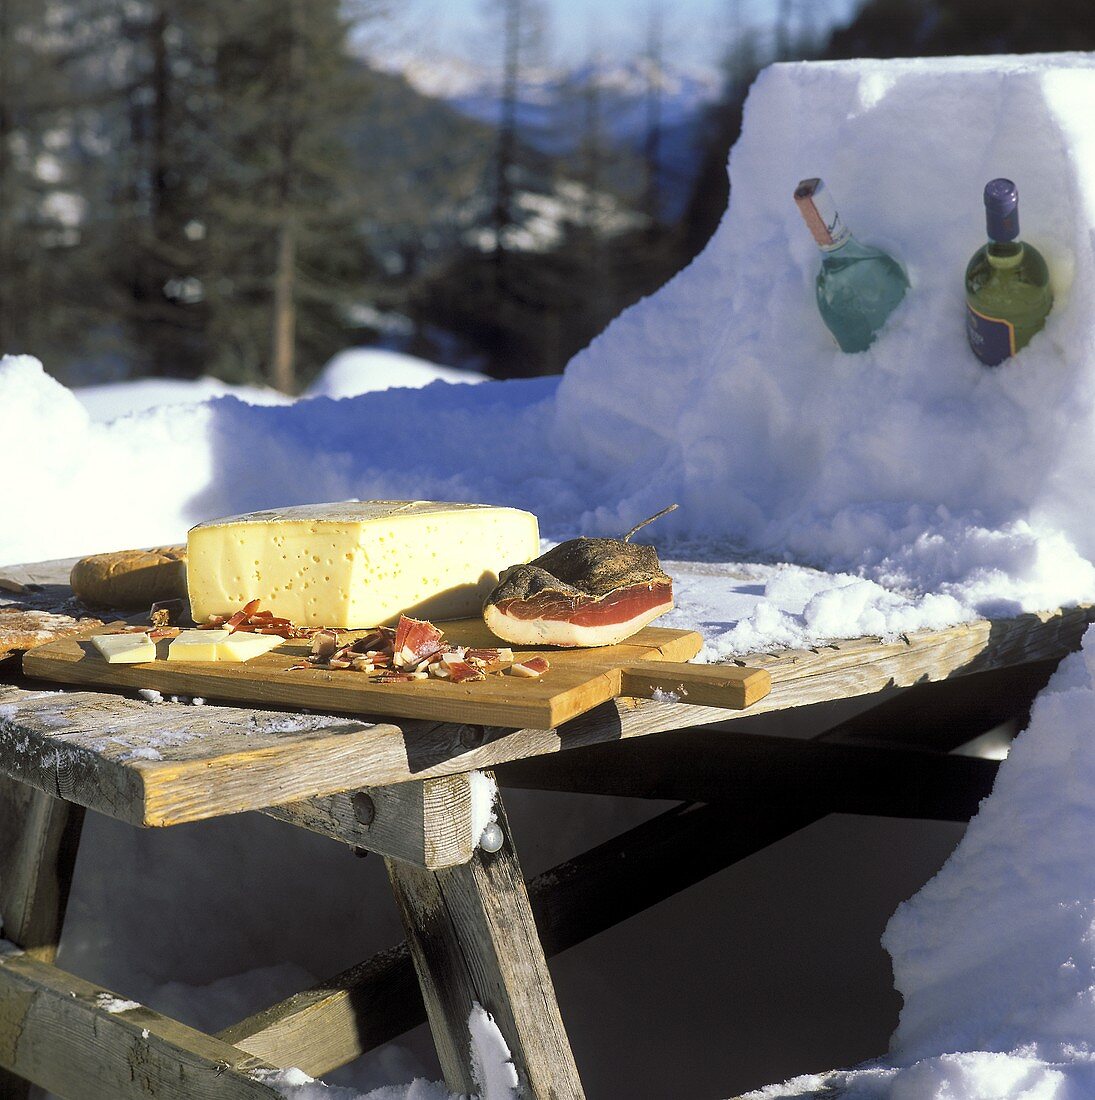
[213,622]
[415,640]
[340,662]
[164,632]
[490,659]
[532,668]
[372,661]
[452,666]
[324,644]
[261,618]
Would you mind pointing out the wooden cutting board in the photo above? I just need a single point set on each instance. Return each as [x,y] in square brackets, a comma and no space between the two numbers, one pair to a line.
[648,665]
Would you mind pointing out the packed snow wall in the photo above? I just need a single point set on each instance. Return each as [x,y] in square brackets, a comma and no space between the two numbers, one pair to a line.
[912,460]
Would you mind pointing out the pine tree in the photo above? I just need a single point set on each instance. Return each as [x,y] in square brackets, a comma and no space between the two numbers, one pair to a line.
[282,194]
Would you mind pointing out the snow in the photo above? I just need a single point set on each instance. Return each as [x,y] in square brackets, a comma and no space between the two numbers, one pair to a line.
[110,400]
[484,792]
[367,370]
[491,1067]
[109,1003]
[821,495]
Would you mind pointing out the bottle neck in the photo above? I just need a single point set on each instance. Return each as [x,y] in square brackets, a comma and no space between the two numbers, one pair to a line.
[1004,255]
[820,214]
[848,248]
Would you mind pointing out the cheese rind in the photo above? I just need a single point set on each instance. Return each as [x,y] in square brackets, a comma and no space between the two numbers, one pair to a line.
[125,649]
[357,564]
[242,647]
[196,645]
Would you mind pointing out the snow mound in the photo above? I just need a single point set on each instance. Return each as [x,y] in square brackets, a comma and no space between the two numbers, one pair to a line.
[995,956]
[366,370]
[997,952]
[910,462]
[114,399]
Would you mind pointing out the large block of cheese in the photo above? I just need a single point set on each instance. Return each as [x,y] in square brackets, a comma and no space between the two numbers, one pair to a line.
[357,564]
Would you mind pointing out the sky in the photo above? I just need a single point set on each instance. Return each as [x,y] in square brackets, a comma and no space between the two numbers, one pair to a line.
[695,31]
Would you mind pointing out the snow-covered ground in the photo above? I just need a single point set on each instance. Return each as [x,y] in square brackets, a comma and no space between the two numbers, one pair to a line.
[822,496]
[348,374]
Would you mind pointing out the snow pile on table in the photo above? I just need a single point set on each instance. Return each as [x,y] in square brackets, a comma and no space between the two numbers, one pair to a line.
[995,957]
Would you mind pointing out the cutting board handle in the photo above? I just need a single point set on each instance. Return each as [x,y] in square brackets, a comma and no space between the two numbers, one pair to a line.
[728,686]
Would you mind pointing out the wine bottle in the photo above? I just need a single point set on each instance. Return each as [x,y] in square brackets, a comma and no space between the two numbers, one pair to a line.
[858,286]
[1007,283]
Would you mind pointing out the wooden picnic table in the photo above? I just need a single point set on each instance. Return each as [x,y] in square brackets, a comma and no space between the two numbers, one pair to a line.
[862,726]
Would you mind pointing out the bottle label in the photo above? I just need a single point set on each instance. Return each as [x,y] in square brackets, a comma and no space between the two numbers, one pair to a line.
[834,227]
[992,338]
[821,215]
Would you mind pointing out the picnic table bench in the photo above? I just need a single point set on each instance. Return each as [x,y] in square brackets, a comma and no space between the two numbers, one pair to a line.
[864,726]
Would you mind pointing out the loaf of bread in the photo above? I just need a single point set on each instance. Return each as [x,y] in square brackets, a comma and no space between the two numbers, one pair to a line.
[131,580]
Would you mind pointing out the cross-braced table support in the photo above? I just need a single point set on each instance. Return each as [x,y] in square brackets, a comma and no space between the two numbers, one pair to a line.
[469,928]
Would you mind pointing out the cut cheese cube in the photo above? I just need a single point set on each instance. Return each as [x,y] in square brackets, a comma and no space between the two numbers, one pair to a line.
[125,649]
[242,647]
[197,645]
[357,564]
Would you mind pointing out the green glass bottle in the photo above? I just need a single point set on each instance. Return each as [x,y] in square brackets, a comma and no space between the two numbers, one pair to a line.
[858,286]
[1007,283]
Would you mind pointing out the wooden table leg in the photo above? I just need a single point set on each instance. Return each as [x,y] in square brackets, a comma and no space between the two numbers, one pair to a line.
[473,940]
[39,836]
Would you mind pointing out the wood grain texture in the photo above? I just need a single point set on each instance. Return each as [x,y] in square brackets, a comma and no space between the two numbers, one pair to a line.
[427,823]
[473,941]
[579,679]
[39,837]
[56,1031]
[227,759]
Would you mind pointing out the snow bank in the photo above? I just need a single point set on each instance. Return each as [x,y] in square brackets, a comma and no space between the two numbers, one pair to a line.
[995,956]
[909,462]
[110,400]
[366,370]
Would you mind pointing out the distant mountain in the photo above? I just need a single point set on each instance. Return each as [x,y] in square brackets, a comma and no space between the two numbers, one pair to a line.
[428,185]
[553,108]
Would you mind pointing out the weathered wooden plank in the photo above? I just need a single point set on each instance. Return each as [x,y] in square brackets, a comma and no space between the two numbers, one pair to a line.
[376,1001]
[223,760]
[427,823]
[704,765]
[39,837]
[333,1023]
[946,714]
[473,940]
[84,1043]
